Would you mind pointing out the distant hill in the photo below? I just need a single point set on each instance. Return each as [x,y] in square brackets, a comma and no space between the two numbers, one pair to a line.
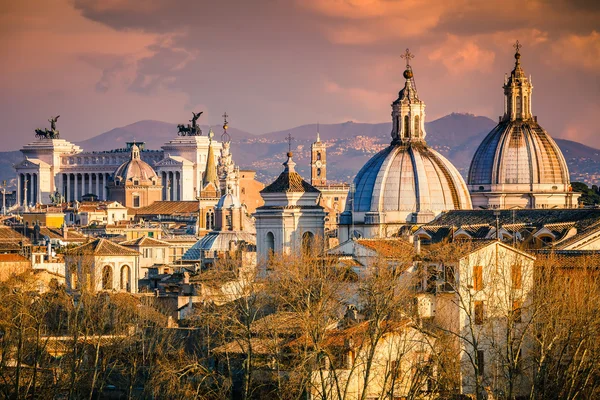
[350,145]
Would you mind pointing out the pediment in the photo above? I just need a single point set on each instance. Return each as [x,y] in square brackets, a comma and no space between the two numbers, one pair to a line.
[30,163]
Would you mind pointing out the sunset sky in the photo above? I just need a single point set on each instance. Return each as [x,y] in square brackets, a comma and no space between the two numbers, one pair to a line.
[276,64]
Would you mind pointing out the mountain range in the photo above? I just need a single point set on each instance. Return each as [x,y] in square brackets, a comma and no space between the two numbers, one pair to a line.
[350,145]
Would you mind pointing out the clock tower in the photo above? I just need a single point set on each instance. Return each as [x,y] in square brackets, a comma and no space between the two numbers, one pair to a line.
[318,162]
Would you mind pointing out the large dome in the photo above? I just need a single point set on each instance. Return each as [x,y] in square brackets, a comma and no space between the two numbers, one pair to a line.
[405,179]
[135,169]
[518,152]
[407,182]
[518,165]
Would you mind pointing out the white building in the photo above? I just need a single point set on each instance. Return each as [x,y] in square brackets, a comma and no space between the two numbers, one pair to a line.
[56,165]
[291,218]
[407,182]
[518,165]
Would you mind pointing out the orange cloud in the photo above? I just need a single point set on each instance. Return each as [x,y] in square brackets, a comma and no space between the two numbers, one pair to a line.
[579,50]
[459,56]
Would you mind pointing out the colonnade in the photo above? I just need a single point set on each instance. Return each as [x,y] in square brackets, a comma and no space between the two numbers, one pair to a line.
[28,189]
[76,185]
[171,182]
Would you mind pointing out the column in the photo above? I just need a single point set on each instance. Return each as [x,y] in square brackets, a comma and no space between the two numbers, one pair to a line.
[97,185]
[90,183]
[68,191]
[76,187]
[59,185]
[38,191]
[178,178]
[104,184]
[19,177]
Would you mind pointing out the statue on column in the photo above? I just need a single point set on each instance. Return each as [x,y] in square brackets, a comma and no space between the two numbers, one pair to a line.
[193,129]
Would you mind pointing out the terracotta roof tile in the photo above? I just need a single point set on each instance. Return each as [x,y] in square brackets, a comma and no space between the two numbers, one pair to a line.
[145,241]
[103,247]
[289,182]
[13,258]
[169,208]
[388,247]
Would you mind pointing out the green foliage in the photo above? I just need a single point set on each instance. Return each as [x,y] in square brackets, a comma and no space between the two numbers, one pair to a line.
[589,196]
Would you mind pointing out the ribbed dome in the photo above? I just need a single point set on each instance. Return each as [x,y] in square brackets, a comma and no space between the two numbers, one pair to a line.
[518,152]
[228,201]
[217,241]
[135,168]
[409,178]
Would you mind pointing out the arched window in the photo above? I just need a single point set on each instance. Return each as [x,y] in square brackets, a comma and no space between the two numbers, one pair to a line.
[318,155]
[270,242]
[417,126]
[406,126]
[318,171]
[210,219]
[125,278]
[308,242]
[519,108]
[107,277]
[525,105]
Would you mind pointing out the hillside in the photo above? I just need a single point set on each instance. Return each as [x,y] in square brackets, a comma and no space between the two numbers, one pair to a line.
[350,145]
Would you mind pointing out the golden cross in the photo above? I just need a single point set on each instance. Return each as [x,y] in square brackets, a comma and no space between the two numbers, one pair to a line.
[517,46]
[408,56]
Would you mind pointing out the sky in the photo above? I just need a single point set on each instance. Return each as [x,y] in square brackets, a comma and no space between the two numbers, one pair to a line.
[276,64]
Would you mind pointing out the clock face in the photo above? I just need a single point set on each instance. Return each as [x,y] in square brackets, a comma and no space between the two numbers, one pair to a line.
[318,163]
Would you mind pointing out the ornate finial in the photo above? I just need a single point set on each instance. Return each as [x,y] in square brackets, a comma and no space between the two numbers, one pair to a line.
[318,134]
[225,136]
[289,140]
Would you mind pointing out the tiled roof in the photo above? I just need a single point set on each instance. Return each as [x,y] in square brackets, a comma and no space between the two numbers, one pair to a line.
[103,247]
[10,234]
[145,241]
[289,182]
[169,208]
[388,247]
[13,258]
[72,235]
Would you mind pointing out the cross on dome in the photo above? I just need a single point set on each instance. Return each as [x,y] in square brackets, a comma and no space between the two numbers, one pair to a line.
[225,136]
[289,139]
[407,56]
[517,46]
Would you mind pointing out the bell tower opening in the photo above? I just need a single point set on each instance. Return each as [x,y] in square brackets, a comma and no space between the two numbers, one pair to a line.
[318,162]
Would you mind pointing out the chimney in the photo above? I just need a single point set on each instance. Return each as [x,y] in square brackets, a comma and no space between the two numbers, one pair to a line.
[49,249]
[64,231]
[417,245]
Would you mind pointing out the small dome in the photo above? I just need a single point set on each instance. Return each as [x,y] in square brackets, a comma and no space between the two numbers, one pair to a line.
[228,200]
[217,241]
[409,179]
[135,168]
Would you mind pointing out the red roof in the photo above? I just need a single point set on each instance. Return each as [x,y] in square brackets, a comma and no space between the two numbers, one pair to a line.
[13,258]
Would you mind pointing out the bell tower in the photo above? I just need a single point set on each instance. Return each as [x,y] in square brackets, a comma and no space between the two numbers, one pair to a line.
[318,162]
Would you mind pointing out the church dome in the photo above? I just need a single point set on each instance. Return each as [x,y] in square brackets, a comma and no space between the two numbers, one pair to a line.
[228,200]
[409,178]
[518,164]
[135,169]
[518,152]
[407,181]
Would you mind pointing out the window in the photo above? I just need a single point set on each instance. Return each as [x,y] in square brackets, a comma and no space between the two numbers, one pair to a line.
[243,190]
[516,310]
[406,123]
[318,156]
[336,199]
[123,216]
[478,311]
[107,278]
[477,277]
[136,182]
[480,362]
[147,253]
[516,277]
[228,221]
[318,171]
[136,201]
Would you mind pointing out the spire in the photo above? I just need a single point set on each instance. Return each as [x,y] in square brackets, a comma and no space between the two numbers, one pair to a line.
[318,136]
[289,164]
[517,91]
[408,111]
[210,175]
